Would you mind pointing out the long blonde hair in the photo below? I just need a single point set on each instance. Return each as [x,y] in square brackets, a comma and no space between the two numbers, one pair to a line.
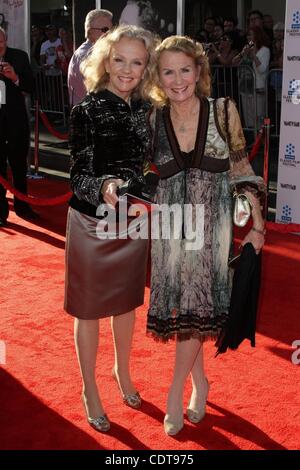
[192,49]
[93,68]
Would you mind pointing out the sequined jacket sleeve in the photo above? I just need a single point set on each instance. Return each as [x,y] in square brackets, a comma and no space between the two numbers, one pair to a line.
[84,184]
[242,176]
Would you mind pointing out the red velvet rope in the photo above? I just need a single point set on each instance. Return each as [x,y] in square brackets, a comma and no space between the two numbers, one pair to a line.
[256,145]
[51,129]
[36,201]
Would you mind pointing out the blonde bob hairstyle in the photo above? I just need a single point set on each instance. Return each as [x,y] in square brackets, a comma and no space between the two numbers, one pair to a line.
[190,48]
[93,68]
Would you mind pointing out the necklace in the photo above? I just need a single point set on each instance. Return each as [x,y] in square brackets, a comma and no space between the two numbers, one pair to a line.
[183,122]
[182,128]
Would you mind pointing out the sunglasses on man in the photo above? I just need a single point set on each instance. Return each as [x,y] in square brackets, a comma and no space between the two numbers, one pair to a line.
[103,30]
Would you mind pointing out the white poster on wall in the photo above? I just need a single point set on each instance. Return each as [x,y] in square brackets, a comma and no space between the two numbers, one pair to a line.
[164,17]
[14,17]
[288,189]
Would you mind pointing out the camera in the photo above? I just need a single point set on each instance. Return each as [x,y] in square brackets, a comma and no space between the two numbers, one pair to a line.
[249,45]
[207,46]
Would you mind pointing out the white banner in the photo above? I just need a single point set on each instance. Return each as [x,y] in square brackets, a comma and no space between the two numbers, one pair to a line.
[288,189]
[15,17]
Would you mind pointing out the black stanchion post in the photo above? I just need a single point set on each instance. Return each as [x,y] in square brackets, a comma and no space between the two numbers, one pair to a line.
[36,137]
[267,125]
[36,141]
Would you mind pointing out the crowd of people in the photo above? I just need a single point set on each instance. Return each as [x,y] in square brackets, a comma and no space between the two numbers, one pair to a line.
[256,51]
[140,101]
[259,47]
[217,31]
[51,49]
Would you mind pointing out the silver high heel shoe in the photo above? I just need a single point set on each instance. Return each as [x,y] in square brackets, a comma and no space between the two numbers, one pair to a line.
[195,416]
[133,400]
[100,424]
[171,427]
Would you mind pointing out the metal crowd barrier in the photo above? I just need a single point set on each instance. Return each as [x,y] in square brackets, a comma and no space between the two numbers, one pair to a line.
[51,94]
[239,82]
[273,101]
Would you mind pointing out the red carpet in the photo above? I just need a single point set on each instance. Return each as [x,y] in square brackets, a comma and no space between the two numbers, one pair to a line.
[254,400]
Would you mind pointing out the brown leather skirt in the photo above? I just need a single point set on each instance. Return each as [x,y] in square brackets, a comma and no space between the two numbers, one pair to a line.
[103,277]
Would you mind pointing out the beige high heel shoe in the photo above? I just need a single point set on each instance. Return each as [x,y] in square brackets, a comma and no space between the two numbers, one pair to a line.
[133,400]
[172,427]
[100,424]
[195,416]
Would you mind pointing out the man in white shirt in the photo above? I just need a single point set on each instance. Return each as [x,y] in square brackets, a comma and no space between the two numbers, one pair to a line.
[97,23]
[48,51]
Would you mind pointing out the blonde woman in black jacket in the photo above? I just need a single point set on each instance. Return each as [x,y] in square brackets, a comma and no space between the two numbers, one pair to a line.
[109,144]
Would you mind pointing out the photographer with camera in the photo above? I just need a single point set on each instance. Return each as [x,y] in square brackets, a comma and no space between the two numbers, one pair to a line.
[257,55]
[16,78]
[223,51]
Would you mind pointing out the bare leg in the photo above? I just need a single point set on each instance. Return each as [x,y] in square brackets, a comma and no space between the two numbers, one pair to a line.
[86,335]
[122,329]
[186,353]
[198,381]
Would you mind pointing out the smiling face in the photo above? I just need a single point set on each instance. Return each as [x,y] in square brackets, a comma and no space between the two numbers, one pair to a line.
[126,65]
[178,75]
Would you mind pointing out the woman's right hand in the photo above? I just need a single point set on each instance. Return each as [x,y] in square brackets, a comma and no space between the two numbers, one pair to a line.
[109,191]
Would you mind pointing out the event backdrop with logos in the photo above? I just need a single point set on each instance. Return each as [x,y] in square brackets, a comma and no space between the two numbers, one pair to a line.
[165,17]
[288,189]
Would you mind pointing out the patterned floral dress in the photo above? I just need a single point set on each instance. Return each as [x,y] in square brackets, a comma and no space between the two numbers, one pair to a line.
[190,288]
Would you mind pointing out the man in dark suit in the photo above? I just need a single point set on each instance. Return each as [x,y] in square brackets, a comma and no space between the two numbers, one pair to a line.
[16,78]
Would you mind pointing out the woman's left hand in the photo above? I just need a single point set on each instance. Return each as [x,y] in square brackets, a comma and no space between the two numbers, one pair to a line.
[257,240]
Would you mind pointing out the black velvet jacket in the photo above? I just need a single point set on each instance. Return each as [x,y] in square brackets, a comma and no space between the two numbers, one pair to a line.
[108,139]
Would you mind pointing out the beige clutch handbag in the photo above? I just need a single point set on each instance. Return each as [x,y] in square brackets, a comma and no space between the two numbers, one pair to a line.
[241,210]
